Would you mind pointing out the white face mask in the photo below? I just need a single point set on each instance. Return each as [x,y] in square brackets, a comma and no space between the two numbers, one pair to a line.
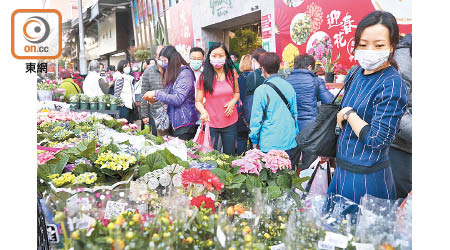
[371,59]
[126,70]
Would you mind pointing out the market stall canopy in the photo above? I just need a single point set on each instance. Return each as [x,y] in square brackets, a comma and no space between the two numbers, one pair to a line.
[99,9]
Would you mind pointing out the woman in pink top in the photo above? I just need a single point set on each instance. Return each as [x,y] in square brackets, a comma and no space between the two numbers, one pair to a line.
[218,85]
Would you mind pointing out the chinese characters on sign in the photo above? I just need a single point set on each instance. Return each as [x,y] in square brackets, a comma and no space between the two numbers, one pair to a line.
[220,7]
[346,25]
[31,67]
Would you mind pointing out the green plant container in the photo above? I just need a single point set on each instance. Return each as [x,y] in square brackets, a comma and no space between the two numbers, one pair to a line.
[74,105]
[84,105]
[113,106]
[102,106]
[93,105]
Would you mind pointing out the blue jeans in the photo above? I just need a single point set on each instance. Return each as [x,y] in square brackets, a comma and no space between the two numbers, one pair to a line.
[242,140]
[228,136]
[126,113]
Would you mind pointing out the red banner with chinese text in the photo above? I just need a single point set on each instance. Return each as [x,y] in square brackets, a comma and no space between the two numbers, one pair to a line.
[302,24]
[181,34]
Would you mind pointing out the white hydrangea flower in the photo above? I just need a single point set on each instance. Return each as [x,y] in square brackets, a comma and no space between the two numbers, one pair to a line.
[177,180]
[165,179]
[153,183]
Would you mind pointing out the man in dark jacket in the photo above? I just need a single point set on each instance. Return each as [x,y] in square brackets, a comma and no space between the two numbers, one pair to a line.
[254,80]
[151,80]
[309,90]
[400,152]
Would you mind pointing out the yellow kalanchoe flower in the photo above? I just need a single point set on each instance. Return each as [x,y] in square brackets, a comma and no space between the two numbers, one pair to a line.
[63,179]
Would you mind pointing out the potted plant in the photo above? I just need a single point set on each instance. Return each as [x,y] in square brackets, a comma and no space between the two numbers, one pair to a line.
[340,73]
[59,94]
[102,101]
[116,101]
[84,102]
[93,101]
[45,88]
[74,102]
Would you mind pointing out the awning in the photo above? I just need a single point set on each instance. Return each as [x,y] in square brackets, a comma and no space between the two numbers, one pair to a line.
[97,8]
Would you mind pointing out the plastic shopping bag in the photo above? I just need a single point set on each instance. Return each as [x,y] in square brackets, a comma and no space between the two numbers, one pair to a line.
[203,138]
[320,178]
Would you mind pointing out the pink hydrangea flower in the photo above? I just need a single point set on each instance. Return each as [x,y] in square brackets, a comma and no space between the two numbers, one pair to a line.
[45,157]
[277,160]
[125,127]
[250,163]
[133,126]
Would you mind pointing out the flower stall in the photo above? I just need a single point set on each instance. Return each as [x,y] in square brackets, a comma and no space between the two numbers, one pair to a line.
[107,185]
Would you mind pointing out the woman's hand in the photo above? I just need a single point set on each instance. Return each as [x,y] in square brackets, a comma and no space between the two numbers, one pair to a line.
[150,96]
[340,116]
[229,107]
[204,117]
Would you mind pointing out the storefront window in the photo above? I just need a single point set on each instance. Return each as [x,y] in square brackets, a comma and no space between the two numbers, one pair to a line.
[244,39]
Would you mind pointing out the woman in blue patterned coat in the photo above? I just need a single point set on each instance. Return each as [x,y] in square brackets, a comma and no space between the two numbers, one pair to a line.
[372,108]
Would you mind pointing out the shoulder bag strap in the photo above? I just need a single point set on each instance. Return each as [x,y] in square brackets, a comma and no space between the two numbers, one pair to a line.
[75,86]
[350,80]
[280,94]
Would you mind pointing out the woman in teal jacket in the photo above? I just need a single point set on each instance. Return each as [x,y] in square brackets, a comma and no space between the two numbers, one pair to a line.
[272,124]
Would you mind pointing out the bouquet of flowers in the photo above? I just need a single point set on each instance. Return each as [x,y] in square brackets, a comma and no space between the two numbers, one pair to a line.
[170,174]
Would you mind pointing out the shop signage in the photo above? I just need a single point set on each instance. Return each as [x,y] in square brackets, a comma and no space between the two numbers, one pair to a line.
[220,7]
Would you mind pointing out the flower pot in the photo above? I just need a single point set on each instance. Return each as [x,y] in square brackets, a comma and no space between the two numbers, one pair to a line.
[340,78]
[45,95]
[59,95]
[329,77]
[113,106]
[93,106]
[74,105]
[102,106]
[84,105]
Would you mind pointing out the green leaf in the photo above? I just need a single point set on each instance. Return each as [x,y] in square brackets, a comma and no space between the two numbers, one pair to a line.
[263,175]
[143,169]
[222,174]
[127,142]
[235,169]
[54,166]
[272,182]
[109,172]
[297,182]
[81,168]
[274,192]
[212,163]
[235,185]
[253,181]
[169,157]
[283,181]
[239,178]
[184,164]
[110,147]
[155,157]
[159,165]
[90,149]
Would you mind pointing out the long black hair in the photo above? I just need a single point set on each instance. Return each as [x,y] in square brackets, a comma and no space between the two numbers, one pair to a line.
[209,73]
[387,20]
[174,64]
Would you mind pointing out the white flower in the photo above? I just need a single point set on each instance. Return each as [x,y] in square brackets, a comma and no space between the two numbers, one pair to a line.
[164,180]
[179,169]
[170,168]
[153,183]
[158,172]
[176,180]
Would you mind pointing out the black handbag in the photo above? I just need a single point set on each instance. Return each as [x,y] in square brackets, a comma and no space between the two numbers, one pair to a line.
[319,137]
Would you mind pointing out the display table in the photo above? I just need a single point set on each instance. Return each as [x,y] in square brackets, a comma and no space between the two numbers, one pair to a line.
[113,113]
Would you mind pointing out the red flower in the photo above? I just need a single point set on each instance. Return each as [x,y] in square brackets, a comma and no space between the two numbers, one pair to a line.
[203,177]
[203,200]
[210,179]
[192,175]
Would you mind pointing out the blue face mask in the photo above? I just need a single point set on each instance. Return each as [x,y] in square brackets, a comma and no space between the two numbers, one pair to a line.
[195,64]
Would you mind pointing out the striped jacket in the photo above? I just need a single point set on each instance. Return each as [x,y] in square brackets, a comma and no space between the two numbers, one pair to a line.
[380,99]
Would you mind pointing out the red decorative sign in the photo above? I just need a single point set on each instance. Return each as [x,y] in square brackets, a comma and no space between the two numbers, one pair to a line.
[181,29]
[304,24]
[266,26]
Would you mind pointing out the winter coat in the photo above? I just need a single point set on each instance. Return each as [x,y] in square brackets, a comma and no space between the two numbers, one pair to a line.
[403,57]
[309,90]
[272,125]
[180,96]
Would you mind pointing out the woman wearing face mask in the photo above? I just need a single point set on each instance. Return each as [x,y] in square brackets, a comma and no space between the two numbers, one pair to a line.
[123,88]
[178,94]
[374,103]
[218,84]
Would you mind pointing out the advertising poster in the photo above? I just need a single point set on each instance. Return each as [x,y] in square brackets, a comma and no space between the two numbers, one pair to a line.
[303,25]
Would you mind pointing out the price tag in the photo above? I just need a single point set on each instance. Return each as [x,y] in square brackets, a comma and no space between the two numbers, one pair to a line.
[324,245]
[221,236]
[114,209]
[363,246]
[278,247]
[52,233]
[75,204]
[337,240]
